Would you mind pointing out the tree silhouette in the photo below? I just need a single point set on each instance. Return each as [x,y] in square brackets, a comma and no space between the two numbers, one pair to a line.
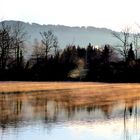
[123,37]
[49,41]
[18,36]
[5,45]
[131,55]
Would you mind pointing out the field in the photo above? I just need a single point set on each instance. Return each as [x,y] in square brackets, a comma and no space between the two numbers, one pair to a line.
[46,86]
[82,92]
[40,86]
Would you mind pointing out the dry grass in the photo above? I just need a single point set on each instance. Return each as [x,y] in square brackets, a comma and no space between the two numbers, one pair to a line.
[49,86]
[76,92]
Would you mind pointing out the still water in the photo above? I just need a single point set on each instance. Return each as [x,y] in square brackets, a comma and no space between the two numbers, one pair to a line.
[79,114]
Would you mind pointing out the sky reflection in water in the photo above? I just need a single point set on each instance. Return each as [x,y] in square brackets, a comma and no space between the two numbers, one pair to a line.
[71,115]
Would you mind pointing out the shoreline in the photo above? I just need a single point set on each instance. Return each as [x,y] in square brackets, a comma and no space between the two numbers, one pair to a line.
[10,87]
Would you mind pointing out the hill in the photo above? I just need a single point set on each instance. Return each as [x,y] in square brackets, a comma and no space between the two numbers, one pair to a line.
[69,35]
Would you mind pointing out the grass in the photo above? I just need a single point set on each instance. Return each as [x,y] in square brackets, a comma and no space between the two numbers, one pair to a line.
[78,92]
[40,86]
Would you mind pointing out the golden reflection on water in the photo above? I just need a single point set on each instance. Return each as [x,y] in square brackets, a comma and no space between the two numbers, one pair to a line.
[61,104]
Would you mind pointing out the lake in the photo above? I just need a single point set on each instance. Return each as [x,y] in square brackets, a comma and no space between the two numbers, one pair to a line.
[69,111]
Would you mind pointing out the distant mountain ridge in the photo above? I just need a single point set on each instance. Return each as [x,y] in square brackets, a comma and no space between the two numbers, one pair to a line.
[81,36]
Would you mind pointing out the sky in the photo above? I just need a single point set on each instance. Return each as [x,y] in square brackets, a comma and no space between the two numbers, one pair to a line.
[112,14]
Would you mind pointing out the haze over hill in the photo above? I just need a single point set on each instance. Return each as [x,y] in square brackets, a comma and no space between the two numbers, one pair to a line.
[69,35]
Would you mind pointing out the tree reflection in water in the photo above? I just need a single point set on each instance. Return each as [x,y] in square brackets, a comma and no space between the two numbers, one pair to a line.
[51,108]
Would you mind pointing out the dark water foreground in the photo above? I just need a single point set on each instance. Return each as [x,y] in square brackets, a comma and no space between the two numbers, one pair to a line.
[69,115]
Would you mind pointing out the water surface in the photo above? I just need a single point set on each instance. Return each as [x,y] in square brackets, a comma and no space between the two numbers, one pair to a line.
[72,114]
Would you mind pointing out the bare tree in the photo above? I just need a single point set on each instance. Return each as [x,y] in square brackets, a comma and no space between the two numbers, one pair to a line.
[18,35]
[56,47]
[49,40]
[12,38]
[123,37]
[5,44]
[38,51]
[136,37]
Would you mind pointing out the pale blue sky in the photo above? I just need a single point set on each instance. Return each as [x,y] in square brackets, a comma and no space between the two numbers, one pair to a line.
[112,14]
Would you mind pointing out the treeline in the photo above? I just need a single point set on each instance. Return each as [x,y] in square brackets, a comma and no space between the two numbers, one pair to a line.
[50,63]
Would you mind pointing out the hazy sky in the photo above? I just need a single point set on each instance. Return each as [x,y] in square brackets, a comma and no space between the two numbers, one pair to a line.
[112,14]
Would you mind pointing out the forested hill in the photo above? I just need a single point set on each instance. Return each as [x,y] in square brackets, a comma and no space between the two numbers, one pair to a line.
[69,35]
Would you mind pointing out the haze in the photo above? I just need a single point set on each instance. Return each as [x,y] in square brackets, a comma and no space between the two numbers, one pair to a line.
[113,14]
